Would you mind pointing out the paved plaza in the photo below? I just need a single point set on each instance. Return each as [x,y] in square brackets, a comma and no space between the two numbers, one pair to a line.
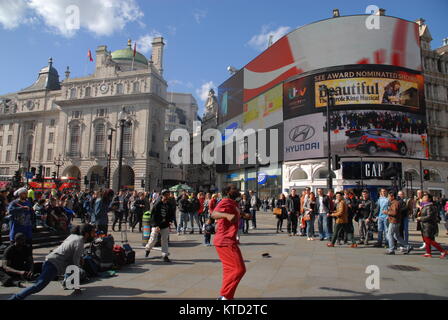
[297,269]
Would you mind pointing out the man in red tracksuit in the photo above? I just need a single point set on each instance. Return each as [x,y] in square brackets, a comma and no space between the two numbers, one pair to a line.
[227,216]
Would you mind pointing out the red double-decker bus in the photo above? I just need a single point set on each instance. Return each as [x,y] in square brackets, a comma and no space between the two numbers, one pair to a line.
[63,184]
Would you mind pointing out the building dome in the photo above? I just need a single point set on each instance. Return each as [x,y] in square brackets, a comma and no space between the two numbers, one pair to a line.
[125,56]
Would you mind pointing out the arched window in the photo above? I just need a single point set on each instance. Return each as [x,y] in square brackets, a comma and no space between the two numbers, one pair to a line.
[127,140]
[100,139]
[322,173]
[299,174]
[435,176]
[414,174]
[75,136]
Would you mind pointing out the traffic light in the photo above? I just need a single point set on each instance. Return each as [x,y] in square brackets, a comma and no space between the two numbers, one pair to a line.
[143,184]
[54,175]
[336,162]
[33,171]
[86,180]
[426,175]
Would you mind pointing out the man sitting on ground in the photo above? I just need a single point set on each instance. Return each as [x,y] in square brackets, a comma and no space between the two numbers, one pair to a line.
[17,263]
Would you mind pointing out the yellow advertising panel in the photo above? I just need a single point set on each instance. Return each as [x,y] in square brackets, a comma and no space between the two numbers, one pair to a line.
[265,110]
[370,87]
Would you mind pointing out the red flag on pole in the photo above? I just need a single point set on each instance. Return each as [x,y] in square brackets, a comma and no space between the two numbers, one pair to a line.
[135,49]
[89,55]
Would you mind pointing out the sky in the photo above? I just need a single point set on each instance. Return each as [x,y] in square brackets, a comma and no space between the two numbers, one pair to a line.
[203,37]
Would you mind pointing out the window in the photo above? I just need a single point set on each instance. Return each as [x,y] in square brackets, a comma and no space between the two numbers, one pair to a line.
[119,88]
[11,126]
[299,174]
[101,112]
[1,127]
[52,122]
[76,114]
[1,141]
[50,155]
[75,133]
[172,119]
[51,137]
[8,156]
[29,146]
[73,93]
[322,173]
[136,87]
[127,140]
[47,172]
[100,138]
[9,140]
[88,91]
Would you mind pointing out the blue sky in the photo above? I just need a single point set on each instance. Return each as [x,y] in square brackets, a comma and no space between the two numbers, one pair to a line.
[203,36]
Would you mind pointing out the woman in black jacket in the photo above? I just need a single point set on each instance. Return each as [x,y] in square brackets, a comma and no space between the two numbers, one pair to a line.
[138,209]
[281,203]
[428,221]
[184,209]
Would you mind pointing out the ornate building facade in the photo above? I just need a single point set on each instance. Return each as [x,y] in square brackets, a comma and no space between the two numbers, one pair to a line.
[77,119]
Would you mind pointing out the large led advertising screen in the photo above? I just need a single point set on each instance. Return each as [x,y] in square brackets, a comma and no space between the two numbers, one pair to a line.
[334,42]
[356,87]
[230,98]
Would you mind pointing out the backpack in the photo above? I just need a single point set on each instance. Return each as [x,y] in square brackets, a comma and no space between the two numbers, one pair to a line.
[119,256]
[102,252]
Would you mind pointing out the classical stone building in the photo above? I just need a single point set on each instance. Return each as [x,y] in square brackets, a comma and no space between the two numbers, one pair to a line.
[435,66]
[181,113]
[78,120]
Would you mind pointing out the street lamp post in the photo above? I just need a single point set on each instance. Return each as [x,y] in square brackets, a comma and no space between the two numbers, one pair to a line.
[109,161]
[329,92]
[122,122]
[58,163]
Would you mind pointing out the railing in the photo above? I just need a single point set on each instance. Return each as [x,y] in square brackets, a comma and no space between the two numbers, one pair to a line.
[74,154]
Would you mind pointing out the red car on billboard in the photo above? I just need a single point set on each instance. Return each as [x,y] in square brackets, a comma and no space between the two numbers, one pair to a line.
[373,140]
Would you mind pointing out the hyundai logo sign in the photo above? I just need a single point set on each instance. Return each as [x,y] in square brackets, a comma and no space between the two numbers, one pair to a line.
[302,133]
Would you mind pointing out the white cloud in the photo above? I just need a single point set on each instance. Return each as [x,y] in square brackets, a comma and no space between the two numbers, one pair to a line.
[12,13]
[199,15]
[144,43]
[204,90]
[260,41]
[101,17]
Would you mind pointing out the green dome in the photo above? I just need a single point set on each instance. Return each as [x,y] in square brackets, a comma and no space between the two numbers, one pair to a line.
[128,55]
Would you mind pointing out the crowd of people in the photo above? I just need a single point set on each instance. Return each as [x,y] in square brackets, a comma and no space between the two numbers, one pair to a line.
[226,216]
[388,120]
[389,216]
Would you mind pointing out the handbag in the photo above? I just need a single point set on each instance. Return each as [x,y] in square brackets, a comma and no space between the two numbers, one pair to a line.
[307,217]
[277,211]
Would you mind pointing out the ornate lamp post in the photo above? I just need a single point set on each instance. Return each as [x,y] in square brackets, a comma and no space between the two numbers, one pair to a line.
[122,122]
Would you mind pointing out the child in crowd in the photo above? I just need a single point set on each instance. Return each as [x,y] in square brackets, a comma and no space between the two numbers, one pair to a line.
[209,229]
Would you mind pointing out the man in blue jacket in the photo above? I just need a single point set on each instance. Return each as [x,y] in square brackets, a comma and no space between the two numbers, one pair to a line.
[21,212]
[382,205]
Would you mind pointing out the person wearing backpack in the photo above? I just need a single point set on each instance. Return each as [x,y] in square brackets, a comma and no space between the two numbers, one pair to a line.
[393,231]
